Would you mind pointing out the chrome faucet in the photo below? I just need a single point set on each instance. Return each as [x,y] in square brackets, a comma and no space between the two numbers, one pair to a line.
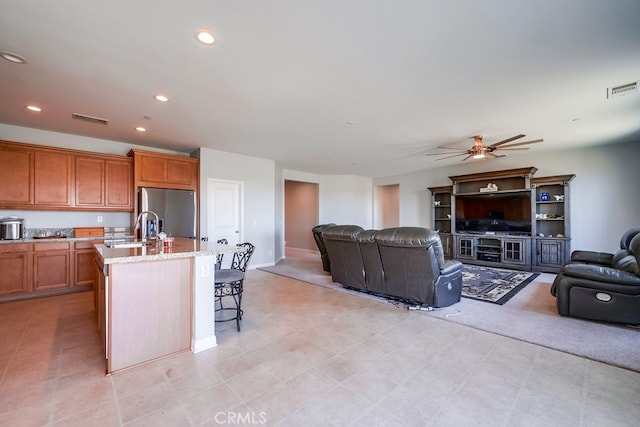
[143,225]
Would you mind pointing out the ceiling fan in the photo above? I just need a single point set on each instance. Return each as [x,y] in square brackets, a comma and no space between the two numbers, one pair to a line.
[481,151]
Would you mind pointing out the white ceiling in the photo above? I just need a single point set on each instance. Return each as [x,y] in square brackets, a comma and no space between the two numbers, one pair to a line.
[335,86]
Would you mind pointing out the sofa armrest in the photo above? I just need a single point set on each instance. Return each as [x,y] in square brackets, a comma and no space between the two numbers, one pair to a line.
[600,274]
[451,266]
[590,257]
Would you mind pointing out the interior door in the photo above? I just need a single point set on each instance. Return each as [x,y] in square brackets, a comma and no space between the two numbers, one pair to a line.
[224,211]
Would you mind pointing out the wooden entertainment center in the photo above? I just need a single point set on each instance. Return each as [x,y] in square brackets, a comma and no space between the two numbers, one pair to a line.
[506,218]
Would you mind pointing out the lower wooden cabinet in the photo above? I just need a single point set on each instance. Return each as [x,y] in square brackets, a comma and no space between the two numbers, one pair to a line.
[51,266]
[84,271]
[48,268]
[15,265]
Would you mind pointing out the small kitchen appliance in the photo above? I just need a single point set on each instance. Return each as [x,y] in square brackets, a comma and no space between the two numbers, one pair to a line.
[11,228]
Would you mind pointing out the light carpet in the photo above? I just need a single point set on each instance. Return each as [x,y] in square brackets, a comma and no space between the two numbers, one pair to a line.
[529,316]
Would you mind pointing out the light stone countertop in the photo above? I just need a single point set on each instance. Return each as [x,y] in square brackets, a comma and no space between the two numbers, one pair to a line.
[182,248]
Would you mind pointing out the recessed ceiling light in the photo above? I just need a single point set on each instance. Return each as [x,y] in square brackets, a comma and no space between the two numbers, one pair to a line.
[161,98]
[205,36]
[141,129]
[13,57]
[33,108]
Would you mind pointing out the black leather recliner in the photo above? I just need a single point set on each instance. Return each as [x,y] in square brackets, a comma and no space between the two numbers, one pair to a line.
[317,236]
[373,273]
[347,266]
[600,286]
[415,268]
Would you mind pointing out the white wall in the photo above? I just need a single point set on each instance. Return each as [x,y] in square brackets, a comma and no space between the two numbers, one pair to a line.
[258,177]
[344,199]
[605,200]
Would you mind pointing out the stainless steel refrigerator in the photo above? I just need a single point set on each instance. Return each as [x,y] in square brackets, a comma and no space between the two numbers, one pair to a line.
[176,210]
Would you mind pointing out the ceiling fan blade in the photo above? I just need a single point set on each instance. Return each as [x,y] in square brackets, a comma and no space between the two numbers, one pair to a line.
[511,149]
[493,156]
[451,148]
[504,141]
[468,157]
[535,141]
[455,155]
[444,154]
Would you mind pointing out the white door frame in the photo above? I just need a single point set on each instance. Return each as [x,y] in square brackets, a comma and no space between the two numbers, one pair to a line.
[211,206]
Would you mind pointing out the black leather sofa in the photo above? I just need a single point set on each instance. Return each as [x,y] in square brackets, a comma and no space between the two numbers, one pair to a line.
[602,286]
[403,263]
[317,236]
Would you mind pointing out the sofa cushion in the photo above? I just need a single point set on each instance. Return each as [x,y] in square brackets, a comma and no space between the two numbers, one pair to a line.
[417,237]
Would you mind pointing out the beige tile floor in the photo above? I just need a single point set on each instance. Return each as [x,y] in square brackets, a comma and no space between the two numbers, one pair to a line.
[306,356]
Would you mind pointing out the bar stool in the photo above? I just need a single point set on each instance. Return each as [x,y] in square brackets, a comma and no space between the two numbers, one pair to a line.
[229,283]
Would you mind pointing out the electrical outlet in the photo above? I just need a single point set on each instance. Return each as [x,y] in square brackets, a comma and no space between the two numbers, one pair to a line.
[99,218]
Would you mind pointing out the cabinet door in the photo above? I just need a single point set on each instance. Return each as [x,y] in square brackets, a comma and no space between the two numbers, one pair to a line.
[550,253]
[119,181]
[153,169]
[53,175]
[51,266]
[179,172]
[14,265]
[15,176]
[465,247]
[89,182]
[84,268]
[515,251]
[447,244]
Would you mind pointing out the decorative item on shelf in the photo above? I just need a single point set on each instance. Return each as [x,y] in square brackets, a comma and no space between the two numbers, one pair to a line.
[490,187]
[560,235]
[436,203]
[448,216]
[559,197]
[544,196]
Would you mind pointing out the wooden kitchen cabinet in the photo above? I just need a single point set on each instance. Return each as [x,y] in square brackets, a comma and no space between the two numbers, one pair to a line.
[84,270]
[38,177]
[53,178]
[16,176]
[118,176]
[103,183]
[51,266]
[89,182]
[15,266]
[164,171]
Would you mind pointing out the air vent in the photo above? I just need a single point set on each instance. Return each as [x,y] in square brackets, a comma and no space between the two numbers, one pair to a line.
[622,90]
[89,119]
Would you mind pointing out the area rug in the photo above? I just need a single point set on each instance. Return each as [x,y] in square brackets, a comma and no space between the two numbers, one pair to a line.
[496,285]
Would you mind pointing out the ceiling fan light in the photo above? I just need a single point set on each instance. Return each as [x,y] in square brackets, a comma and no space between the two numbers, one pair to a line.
[478,156]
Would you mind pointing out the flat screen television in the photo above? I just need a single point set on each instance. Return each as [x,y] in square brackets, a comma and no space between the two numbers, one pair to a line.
[508,213]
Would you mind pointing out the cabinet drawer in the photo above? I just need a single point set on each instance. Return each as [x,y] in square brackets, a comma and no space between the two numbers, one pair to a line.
[57,246]
[14,247]
[88,232]
[88,244]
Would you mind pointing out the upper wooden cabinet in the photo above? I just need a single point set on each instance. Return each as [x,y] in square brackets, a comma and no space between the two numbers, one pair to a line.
[16,176]
[36,177]
[164,171]
[104,183]
[53,177]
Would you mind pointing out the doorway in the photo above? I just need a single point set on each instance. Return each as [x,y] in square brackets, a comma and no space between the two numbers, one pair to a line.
[301,207]
[224,211]
[387,206]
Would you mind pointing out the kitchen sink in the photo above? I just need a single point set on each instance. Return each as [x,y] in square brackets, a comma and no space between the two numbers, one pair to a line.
[118,245]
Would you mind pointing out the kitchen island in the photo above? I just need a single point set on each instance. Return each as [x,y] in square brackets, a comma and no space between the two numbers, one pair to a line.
[152,302]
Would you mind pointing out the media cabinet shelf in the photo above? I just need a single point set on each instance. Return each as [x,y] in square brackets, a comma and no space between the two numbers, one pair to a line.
[534,243]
